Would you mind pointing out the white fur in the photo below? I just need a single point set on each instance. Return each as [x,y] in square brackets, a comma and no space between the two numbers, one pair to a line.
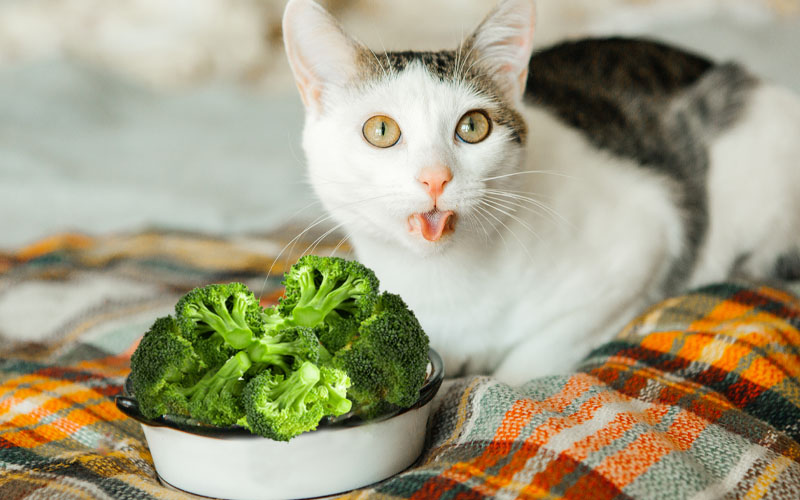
[517,290]
[754,188]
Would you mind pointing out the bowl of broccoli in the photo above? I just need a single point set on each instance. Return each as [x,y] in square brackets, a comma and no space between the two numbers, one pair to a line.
[327,391]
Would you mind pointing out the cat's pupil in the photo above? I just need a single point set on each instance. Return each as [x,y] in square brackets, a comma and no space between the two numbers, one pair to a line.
[468,126]
[381,131]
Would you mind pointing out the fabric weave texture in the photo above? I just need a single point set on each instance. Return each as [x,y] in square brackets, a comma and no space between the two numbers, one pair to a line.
[699,397]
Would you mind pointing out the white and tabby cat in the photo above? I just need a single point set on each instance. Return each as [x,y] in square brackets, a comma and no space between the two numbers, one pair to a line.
[527,206]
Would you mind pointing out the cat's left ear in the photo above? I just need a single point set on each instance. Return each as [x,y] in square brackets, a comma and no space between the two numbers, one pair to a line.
[320,54]
[503,44]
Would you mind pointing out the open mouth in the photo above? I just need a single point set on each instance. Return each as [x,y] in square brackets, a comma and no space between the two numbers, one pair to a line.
[432,225]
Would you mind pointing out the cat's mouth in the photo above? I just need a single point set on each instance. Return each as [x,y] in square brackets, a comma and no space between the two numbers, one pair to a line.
[432,225]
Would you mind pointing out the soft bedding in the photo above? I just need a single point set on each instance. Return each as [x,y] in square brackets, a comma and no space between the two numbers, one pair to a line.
[697,398]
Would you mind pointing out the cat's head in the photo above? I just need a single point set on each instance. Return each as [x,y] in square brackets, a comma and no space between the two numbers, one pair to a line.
[409,147]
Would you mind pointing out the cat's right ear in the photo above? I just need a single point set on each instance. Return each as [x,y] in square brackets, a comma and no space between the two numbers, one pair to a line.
[320,54]
[503,44]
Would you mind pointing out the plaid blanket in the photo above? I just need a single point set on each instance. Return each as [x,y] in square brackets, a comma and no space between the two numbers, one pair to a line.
[697,398]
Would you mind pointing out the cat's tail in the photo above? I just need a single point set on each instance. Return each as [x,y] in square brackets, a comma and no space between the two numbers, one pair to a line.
[714,103]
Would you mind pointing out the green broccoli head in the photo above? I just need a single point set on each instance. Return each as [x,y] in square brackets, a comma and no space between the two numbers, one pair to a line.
[317,286]
[387,360]
[280,407]
[216,398]
[219,320]
[163,363]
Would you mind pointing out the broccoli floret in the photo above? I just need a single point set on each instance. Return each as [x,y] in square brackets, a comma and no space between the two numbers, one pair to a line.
[336,332]
[215,398]
[281,407]
[333,390]
[161,364]
[317,286]
[388,358]
[224,314]
[283,348]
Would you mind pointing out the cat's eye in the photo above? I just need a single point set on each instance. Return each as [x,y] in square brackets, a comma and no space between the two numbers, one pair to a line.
[473,127]
[381,131]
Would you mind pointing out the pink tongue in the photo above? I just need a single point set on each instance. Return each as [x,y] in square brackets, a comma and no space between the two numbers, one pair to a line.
[433,224]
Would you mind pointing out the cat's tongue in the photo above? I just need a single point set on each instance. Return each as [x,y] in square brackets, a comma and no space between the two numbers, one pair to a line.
[432,225]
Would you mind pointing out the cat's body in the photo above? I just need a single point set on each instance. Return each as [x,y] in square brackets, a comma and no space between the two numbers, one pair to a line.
[613,173]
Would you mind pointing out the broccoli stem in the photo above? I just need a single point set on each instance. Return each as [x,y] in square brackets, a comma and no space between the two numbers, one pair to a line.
[292,392]
[316,303]
[265,348]
[232,327]
[338,404]
[224,379]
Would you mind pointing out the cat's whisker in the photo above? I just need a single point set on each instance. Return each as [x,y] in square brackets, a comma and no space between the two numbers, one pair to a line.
[461,60]
[462,72]
[520,198]
[510,215]
[484,213]
[389,67]
[513,233]
[521,192]
[532,201]
[502,203]
[380,64]
[476,224]
[313,246]
[457,57]
[341,242]
[316,222]
[527,172]
[477,61]
[480,193]
[531,207]
[319,220]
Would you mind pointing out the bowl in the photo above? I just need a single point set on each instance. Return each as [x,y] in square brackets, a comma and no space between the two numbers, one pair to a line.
[343,454]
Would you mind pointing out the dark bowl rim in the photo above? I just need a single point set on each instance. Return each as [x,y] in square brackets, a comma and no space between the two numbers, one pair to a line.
[127,404]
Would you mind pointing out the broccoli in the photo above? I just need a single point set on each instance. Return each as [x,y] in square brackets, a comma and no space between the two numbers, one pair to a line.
[336,332]
[387,359]
[214,399]
[282,348]
[332,344]
[272,319]
[317,286]
[281,407]
[229,313]
[168,377]
[334,383]
[163,363]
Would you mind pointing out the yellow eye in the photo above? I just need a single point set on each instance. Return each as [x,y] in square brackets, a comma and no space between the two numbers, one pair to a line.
[381,131]
[473,127]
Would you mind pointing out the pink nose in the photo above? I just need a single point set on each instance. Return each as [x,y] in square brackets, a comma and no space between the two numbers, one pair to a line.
[434,179]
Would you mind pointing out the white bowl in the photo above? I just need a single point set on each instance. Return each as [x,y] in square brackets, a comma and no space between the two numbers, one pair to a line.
[341,455]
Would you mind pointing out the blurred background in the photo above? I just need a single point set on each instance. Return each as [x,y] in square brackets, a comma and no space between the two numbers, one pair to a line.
[182,115]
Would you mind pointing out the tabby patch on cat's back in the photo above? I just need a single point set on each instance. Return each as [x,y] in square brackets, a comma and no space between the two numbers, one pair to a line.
[527,205]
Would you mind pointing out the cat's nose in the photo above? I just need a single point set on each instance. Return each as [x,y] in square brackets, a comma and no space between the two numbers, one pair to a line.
[434,178]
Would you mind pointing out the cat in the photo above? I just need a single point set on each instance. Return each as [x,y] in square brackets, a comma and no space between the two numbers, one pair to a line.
[527,205]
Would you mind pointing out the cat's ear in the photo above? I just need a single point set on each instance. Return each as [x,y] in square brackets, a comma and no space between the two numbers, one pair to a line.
[320,54]
[503,44]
